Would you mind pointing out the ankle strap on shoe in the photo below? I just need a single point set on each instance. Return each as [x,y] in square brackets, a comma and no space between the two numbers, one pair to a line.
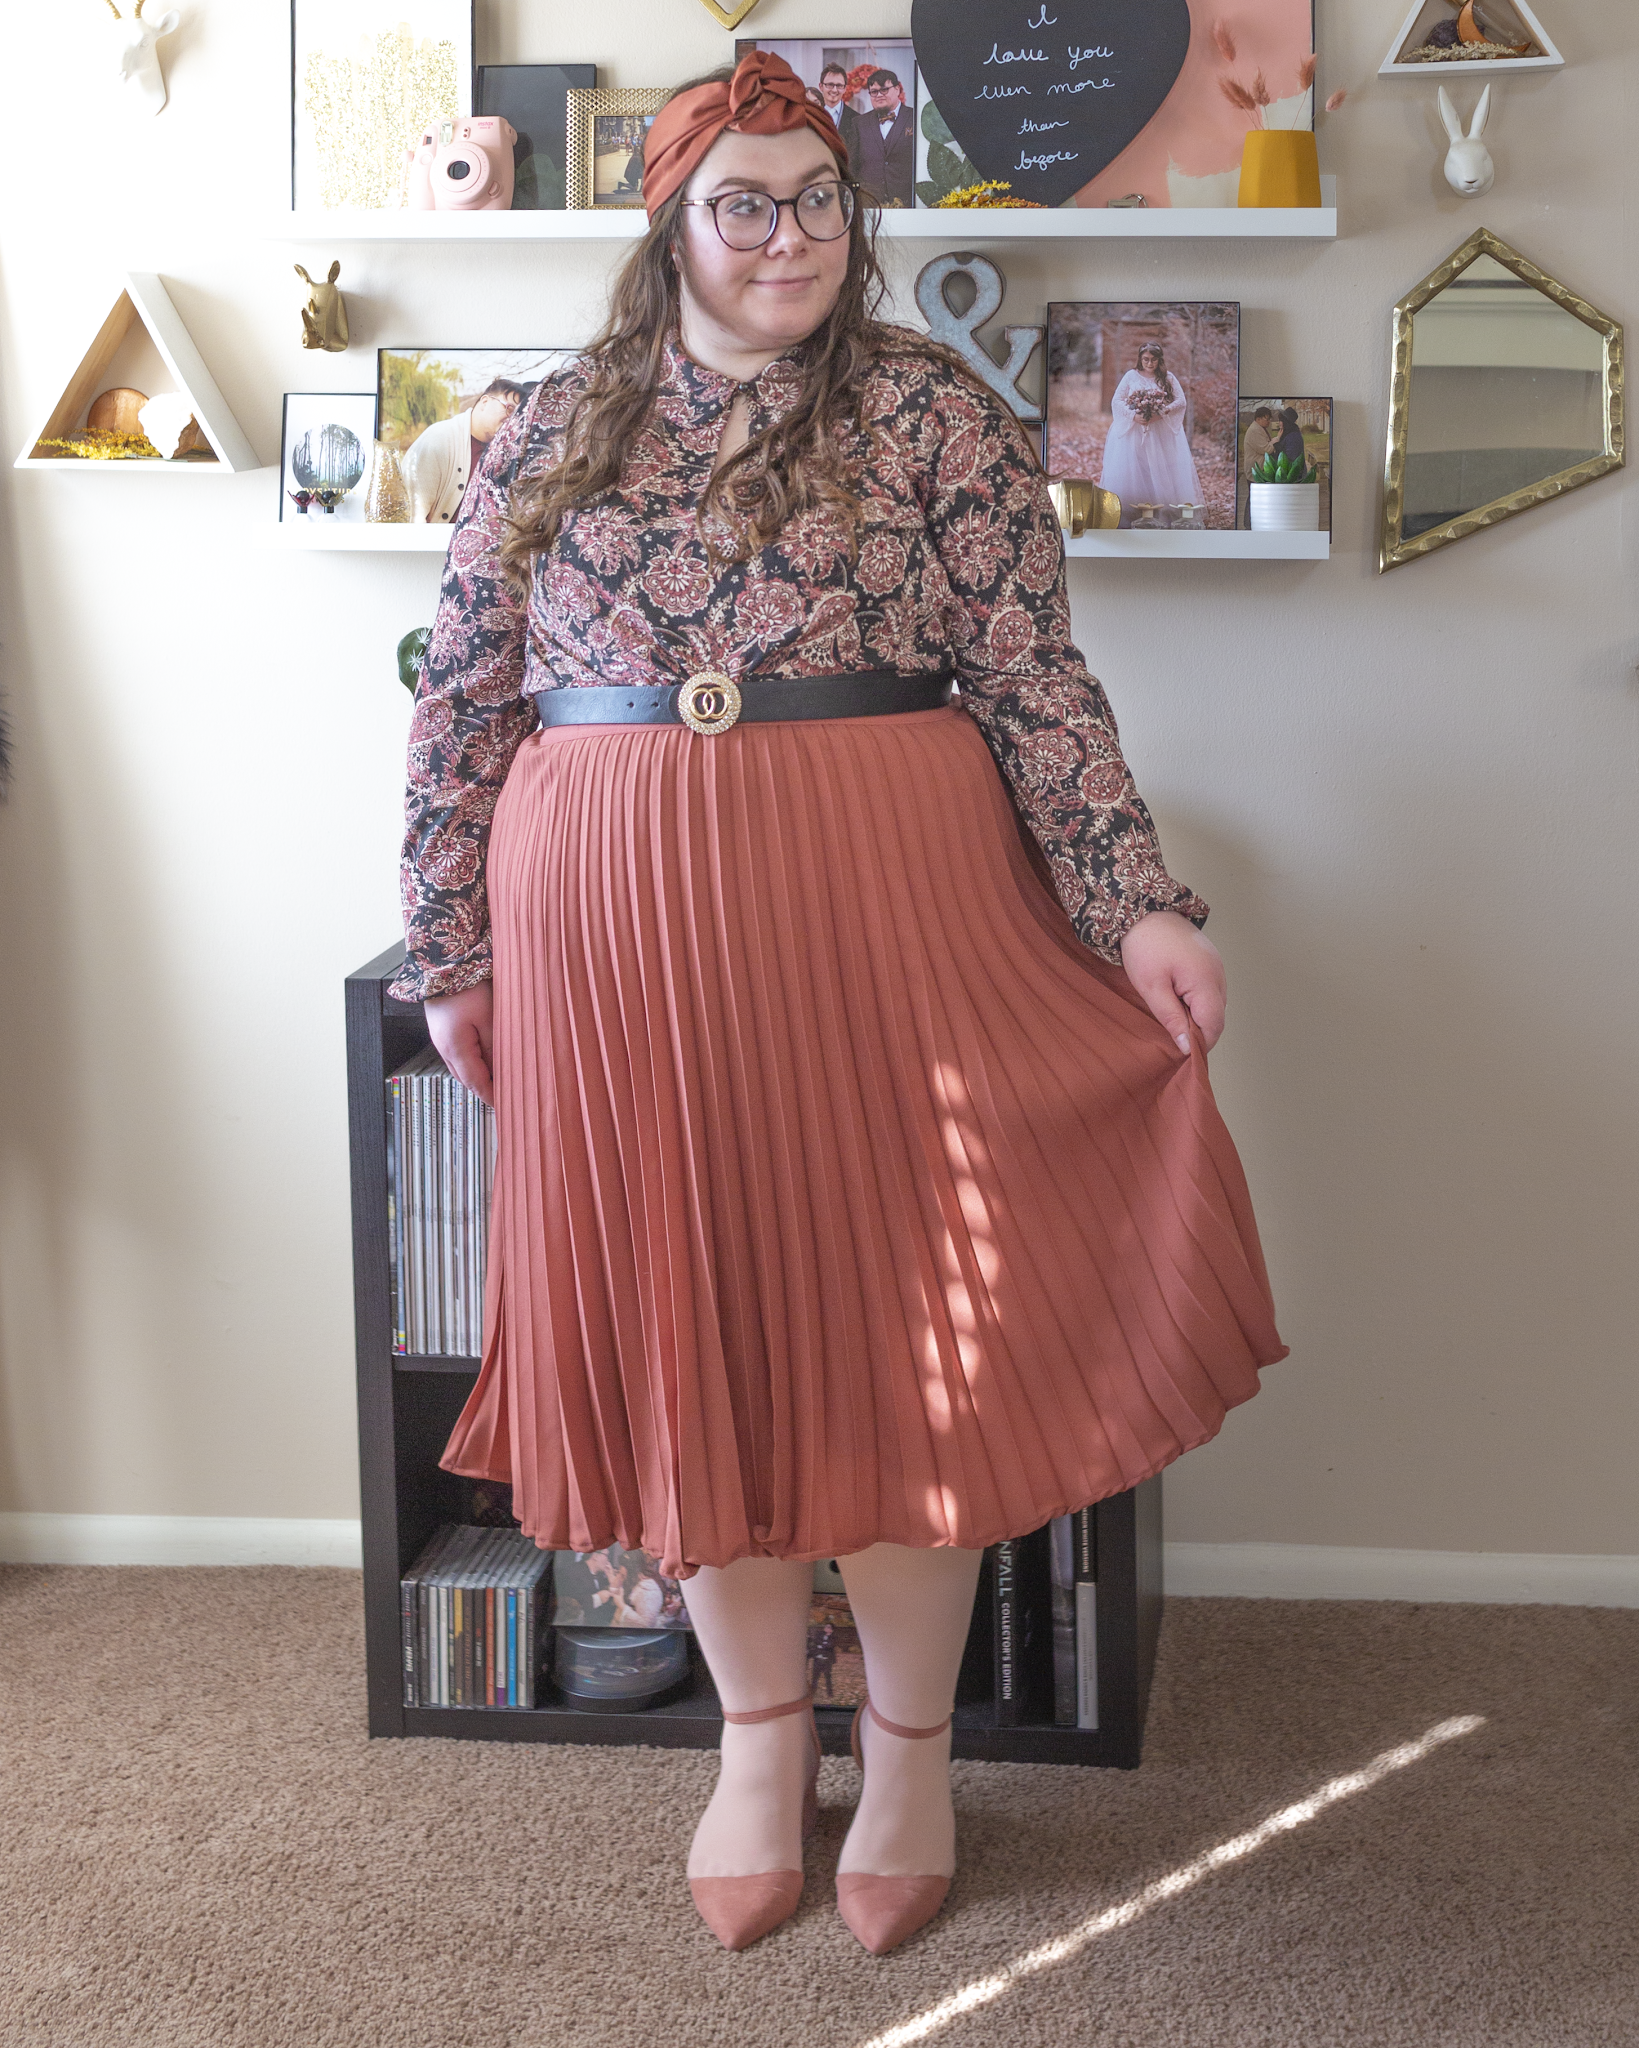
[909,1734]
[770,1713]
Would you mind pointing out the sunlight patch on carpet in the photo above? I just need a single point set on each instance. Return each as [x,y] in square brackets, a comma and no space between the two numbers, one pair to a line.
[986,1990]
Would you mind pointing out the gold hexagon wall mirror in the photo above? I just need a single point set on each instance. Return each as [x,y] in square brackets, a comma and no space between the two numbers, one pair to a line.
[1506,392]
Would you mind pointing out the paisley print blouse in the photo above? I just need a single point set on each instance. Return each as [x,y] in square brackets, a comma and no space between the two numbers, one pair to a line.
[959,565]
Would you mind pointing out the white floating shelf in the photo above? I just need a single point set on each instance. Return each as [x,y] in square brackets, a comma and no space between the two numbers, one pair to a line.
[1203,547]
[958,226]
[321,534]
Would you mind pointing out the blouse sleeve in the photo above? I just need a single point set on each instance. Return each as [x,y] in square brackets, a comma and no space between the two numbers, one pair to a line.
[470,720]
[1046,720]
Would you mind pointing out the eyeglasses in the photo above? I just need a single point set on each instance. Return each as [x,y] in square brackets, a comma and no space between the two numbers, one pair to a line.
[748,220]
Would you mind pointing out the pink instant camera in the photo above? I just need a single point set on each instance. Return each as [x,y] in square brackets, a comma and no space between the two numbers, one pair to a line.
[463,166]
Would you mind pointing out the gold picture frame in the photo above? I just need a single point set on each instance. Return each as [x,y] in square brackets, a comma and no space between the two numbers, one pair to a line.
[588,106]
[1393,548]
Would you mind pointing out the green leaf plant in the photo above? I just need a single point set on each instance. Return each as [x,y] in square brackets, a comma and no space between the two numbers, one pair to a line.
[948,169]
[412,650]
[1281,469]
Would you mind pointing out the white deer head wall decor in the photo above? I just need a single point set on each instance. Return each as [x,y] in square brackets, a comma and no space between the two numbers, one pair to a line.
[136,43]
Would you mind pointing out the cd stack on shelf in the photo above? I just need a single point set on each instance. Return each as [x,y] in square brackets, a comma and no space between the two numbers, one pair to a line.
[440,1170]
[474,1612]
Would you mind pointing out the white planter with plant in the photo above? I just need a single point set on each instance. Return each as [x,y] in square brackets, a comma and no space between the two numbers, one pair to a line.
[1285,496]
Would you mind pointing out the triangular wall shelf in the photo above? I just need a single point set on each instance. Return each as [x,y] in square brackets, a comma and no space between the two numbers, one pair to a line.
[1512,17]
[144,299]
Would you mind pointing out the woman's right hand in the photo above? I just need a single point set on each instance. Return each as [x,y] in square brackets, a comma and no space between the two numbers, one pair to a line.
[460,1028]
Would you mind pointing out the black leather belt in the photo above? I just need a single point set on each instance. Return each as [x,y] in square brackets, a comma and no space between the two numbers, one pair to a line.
[710,702]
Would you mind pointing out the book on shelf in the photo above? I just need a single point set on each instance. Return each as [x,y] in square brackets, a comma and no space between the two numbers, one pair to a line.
[440,1173]
[1020,1627]
[1074,1550]
[1061,1540]
[471,1612]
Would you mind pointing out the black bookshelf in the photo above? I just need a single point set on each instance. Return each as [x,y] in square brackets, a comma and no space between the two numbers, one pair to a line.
[407,1407]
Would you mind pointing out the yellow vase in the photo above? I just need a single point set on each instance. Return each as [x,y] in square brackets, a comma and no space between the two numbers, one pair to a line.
[1279,167]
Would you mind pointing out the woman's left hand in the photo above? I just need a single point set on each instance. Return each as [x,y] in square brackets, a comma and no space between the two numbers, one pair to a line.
[1180,974]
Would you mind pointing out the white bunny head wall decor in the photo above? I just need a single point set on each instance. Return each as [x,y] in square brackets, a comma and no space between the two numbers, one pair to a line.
[135,44]
[1469,169]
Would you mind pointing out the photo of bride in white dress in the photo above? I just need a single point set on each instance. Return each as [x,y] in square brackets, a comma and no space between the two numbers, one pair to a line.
[1146,452]
[1142,399]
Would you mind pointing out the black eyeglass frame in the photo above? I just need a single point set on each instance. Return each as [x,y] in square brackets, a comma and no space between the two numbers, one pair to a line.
[842,184]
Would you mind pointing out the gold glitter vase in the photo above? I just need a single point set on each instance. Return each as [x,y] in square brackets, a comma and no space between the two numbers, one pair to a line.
[387,501]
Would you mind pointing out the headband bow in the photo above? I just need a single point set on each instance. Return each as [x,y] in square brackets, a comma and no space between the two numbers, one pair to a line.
[764,97]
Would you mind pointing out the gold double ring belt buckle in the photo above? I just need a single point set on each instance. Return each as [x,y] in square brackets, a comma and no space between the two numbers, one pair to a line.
[709,703]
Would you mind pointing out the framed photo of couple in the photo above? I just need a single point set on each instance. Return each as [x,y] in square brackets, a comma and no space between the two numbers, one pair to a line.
[1300,428]
[605,134]
[868,87]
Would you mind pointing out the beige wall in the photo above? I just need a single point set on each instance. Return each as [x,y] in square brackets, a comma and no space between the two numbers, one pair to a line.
[1410,798]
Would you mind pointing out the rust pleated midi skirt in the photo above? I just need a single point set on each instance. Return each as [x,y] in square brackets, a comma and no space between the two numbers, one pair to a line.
[842,1196]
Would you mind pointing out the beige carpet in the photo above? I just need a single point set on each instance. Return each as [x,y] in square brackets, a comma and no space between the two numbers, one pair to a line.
[201,1850]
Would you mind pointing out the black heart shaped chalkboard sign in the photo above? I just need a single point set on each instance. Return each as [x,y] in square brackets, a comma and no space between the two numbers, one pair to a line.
[1045,93]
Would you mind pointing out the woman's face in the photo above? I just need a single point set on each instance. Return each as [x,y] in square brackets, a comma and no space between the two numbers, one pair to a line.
[1149,362]
[773,297]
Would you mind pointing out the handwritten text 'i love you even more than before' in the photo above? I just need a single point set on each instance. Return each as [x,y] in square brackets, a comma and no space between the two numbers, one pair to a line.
[1043,69]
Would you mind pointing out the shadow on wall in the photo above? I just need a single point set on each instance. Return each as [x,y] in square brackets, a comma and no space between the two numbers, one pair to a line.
[76,1126]
[1442,1187]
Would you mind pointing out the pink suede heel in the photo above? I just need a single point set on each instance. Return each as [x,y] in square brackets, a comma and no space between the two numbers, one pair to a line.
[741,1910]
[881,1912]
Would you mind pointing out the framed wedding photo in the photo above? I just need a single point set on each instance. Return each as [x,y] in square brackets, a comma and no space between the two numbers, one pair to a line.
[439,408]
[325,447]
[366,78]
[868,87]
[1298,427]
[1142,400]
[607,129]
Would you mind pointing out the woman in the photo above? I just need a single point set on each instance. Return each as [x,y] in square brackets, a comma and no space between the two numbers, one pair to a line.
[1146,452]
[1291,443]
[855,1198]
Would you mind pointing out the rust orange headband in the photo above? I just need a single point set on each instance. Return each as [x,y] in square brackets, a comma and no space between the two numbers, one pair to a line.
[764,97]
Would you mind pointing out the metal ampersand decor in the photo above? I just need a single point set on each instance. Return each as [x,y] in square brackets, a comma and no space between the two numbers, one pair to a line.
[1046,93]
[960,331]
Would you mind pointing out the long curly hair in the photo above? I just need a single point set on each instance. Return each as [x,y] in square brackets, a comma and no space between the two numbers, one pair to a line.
[803,462]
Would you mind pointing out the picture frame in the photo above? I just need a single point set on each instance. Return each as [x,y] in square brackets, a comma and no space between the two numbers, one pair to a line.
[424,393]
[366,78]
[535,99]
[305,456]
[1152,105]
[1169,452]
[604,155]
[1313,421]
[615,1588]
[882,165]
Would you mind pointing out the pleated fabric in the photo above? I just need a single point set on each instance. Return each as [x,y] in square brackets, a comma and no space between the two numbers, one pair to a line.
[842,1196]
